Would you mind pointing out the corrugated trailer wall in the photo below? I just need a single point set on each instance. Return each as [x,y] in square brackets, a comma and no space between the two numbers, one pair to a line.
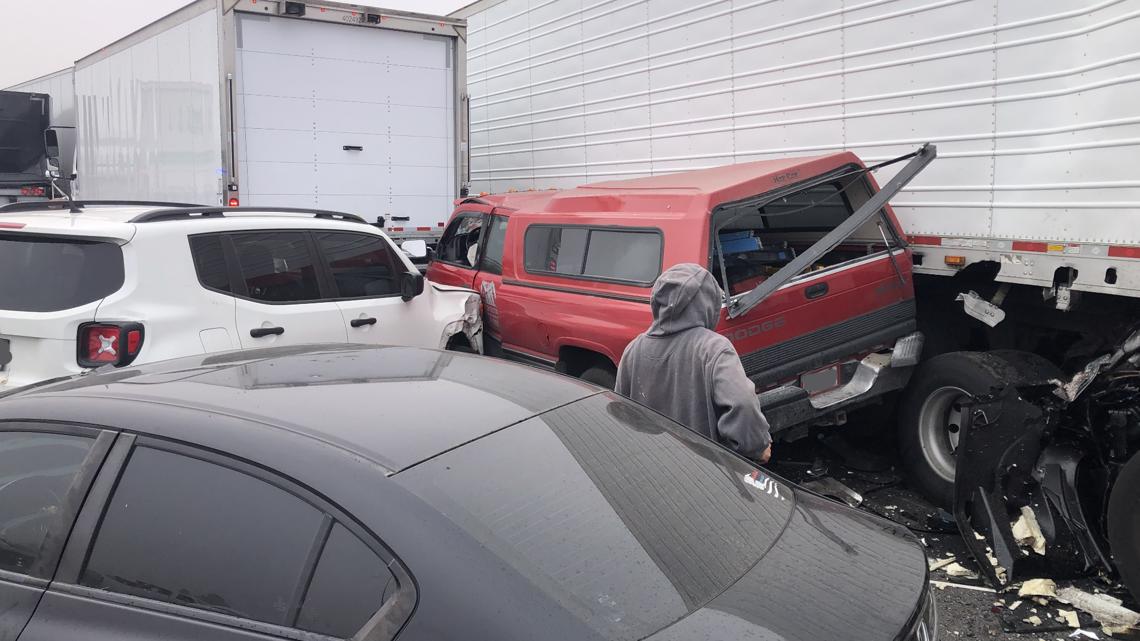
[1032,103]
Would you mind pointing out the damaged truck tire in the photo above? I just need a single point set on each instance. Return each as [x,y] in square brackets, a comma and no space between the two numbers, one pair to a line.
[930,413]
[1124,524]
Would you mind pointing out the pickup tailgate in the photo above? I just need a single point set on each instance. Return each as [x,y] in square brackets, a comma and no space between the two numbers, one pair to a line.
[51,284]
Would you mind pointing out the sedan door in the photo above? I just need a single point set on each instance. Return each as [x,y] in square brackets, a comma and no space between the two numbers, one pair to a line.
[280,300]
[183,544]
[365,271]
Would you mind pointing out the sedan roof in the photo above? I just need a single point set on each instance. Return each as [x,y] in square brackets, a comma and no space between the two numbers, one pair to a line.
[395,406]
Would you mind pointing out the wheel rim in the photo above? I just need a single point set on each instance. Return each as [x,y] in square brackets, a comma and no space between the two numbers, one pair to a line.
[939,428]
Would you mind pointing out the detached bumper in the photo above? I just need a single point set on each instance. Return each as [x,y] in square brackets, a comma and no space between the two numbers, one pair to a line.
[874,376]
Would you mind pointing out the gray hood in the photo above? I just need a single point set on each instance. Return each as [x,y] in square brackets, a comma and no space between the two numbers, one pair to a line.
[684,296]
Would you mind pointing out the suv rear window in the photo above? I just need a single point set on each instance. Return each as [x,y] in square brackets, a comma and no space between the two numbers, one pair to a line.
[627,519]
[628,255]
[57,273]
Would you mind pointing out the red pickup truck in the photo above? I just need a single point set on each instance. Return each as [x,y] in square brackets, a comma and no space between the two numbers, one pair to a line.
[820,297]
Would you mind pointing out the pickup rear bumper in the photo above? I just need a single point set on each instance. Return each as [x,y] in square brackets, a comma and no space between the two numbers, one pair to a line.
[875,375]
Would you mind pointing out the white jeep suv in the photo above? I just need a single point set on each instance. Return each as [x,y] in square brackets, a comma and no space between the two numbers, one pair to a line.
[86,285]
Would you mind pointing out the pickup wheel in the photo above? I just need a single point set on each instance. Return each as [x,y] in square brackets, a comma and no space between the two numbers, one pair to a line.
[1124,524]
[600,376]
[930,414]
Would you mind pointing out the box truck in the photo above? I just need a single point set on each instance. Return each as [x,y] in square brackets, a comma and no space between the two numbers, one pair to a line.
[267,103]
[1024,233]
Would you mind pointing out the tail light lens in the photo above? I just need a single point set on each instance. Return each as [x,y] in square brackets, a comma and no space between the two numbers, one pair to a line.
[109,344]
[35,190]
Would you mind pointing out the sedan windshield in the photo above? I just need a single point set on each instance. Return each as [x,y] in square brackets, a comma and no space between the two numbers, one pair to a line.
[622,517]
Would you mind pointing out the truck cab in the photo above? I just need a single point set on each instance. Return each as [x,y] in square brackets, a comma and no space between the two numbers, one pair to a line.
[27,147]
[819,295]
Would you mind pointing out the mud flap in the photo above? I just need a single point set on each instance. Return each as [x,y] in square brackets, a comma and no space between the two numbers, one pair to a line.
[999,444]
[1004,464]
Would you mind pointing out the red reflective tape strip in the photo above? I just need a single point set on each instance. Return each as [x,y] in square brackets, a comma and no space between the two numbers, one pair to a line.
[439,224]
[926,240]
[11,225]
[1027,246]
[423,228]
[1120,251]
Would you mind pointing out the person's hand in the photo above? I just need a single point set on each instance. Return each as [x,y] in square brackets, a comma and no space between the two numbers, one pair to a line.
[766,455]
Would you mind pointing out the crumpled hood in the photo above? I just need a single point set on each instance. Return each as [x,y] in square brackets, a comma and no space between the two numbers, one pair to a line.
[684,296]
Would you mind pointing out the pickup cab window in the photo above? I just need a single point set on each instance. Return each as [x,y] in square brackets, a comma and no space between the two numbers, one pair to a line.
[610,254]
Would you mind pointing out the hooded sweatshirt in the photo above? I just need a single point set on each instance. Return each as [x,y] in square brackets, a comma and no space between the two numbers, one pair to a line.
[686,371]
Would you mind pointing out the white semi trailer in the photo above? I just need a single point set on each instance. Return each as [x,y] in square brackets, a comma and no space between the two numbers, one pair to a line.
[275,103]
[1032,106]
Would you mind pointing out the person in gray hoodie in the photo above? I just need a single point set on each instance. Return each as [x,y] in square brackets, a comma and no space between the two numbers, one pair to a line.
[686,371]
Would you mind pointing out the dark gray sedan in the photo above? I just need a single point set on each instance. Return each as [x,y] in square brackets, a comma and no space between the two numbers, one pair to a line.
[370,493]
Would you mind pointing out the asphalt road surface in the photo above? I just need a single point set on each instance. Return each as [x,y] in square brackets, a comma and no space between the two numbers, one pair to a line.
[967,606]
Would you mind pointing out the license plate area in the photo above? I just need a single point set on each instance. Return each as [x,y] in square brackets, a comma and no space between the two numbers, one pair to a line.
[820,380]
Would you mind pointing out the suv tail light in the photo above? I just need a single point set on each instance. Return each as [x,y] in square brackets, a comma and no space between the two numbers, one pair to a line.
[35,190]
[108,344]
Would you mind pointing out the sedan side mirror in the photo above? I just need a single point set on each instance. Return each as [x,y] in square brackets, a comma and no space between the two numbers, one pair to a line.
[411,285]
[415,248]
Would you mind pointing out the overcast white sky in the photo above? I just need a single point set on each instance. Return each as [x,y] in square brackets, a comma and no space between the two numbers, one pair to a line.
[42,36]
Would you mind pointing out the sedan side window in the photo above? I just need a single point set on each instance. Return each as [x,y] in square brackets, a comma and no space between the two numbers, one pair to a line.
[36,471]
[362,266]
[348,586]
[190,532]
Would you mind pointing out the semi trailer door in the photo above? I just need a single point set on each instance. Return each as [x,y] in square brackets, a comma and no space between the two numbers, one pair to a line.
[346,117]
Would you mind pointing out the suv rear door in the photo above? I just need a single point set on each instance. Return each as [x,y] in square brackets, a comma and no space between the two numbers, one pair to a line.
[49,285]
[280,300]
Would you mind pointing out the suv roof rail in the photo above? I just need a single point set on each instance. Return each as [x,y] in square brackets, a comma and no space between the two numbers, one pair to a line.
[192,212]
[38,205]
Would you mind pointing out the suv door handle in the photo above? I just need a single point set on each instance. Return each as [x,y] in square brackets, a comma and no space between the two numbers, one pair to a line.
[258,332]
[361,322]
[816,290]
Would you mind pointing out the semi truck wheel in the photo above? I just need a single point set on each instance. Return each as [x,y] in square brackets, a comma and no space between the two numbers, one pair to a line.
[930,414]
[600,376]
[1124,524]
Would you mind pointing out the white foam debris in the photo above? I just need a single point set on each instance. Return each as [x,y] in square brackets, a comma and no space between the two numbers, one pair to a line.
[1038,587]
[938,564]
[1069,617]
[1027,532]
[957,570]
[1109,611]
